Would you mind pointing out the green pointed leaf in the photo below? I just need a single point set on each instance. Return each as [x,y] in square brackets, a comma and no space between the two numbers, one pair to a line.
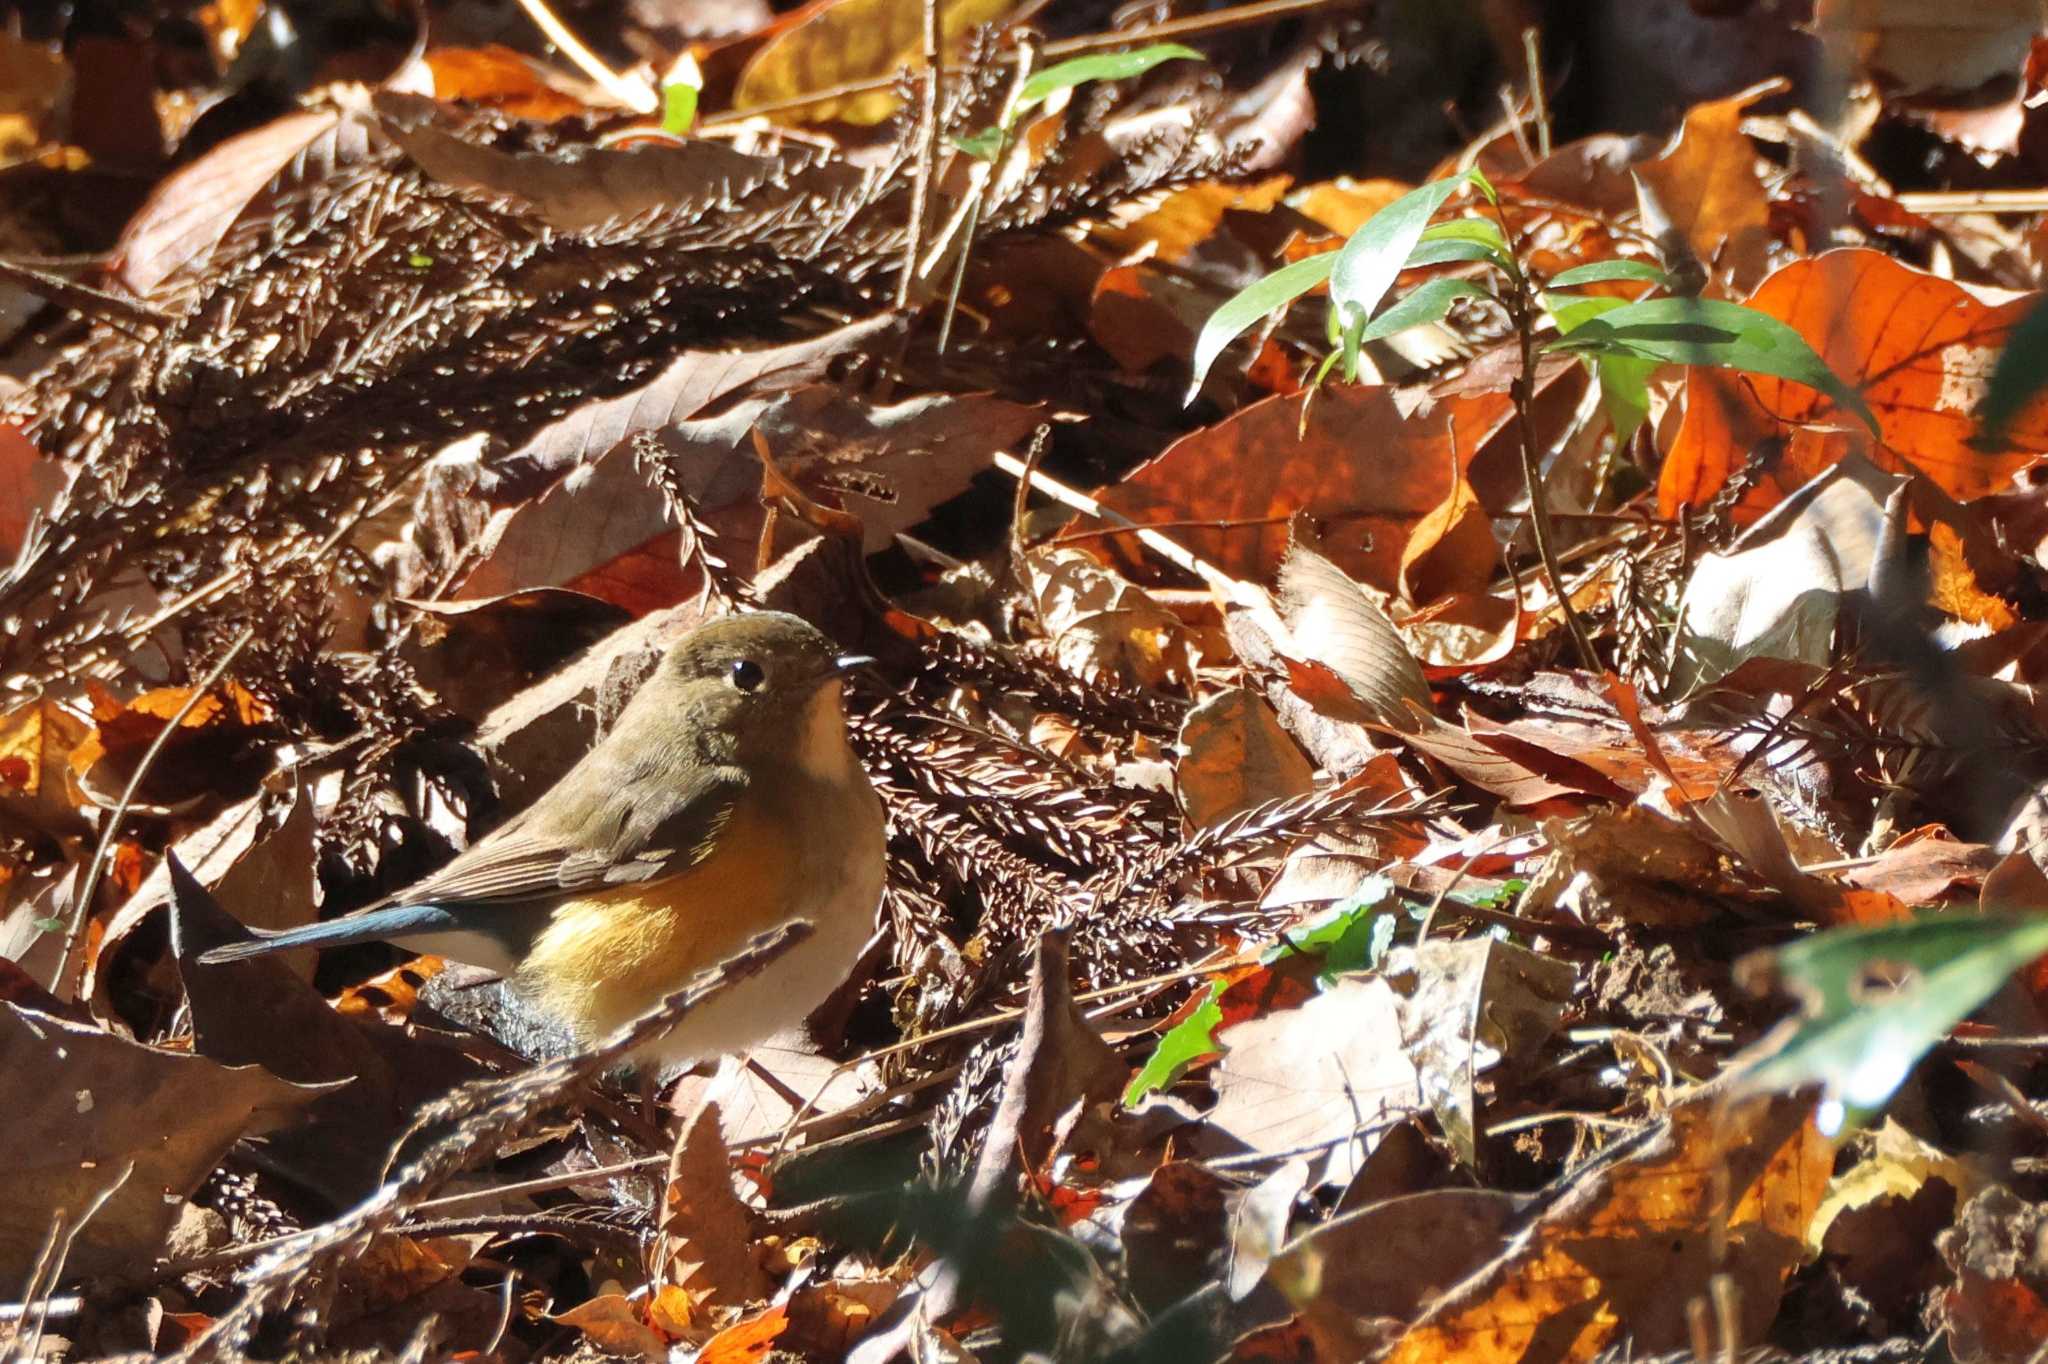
[1624,391]
[1479,233]
[1705,331]
[678,108]
[1567,311]
[1251,303]
[1861,1037]
[1105,66]
[1379,251]
[1601,270]
[2021,372]
[1180,1046]
[1440,253]
[1426,303]
[982,146]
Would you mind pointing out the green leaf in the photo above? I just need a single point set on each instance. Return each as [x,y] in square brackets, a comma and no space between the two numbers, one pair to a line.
[982,146]
[1601,270]
[419,260]
[678,107]
[1106,66]
[1479,233]
[1426,303]
[1440,253]
[1624,391]
[1353,936]
[1251,303]
[1860,1039]
[1569,310]
[1180,1046]
[1705,331]
[2021,372]
[1378,251]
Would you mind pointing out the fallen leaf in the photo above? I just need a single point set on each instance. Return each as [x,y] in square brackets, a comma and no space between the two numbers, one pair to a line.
[1706,183]
[1778,590]
[613,1324]
[1329,1074]
[1363,469]
[1918,347]
[1467,1006]
[1102,627]
[704,1246]
[91,1114]
[1235,756]
[837,42]
[1331,621]
[1636,1235]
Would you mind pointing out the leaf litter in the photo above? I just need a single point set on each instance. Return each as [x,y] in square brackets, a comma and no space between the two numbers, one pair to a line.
[1295,943]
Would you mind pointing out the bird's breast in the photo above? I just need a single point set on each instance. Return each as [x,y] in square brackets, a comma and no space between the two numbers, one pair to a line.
[785,853]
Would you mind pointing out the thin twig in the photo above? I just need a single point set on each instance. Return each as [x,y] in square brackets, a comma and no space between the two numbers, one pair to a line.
[927,150]
[632,93]
[1522,315]
[1532,53]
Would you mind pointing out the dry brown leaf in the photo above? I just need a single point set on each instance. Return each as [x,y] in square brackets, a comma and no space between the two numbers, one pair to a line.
[1356,1277]
[82,1105]
[496,77]
[1920,349]
[613,1323]
[1713,1189]
[1235,756]
[1706,184]
[1451,549]
[1331,1071]
[189,211]
[704,1246]
[1103,627]
[836,42]
[1332,621]
[1364,469]
[1467,1006]
[1188,217]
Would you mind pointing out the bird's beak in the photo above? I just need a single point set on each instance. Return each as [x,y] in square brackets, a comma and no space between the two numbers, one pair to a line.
[847,663]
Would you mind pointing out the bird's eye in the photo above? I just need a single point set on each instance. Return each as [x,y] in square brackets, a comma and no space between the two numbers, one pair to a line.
[746,674]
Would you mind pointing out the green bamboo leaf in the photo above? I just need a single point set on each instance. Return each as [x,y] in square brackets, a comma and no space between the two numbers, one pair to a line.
[1704,331]
[1426,303]
[1479,233]
[1105,66]
[2021,372]
[1601,270]
[1379,251]
[1251,303]
[1879,997]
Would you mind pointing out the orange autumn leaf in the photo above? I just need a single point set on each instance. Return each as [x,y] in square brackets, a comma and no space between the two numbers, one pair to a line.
[1187,218]
[496,77]
[1451,549]
[1707,185]
[1361,467]
[1919,348]
[746,1342]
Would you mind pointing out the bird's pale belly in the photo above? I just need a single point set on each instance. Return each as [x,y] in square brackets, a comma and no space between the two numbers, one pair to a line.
[605,959]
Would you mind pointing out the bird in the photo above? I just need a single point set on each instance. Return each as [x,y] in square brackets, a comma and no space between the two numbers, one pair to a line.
[727,801]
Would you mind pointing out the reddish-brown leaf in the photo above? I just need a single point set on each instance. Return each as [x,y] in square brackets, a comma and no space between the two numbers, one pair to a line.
[1920,349]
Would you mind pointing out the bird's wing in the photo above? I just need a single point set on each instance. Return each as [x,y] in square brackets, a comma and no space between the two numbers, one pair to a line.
[626,837]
